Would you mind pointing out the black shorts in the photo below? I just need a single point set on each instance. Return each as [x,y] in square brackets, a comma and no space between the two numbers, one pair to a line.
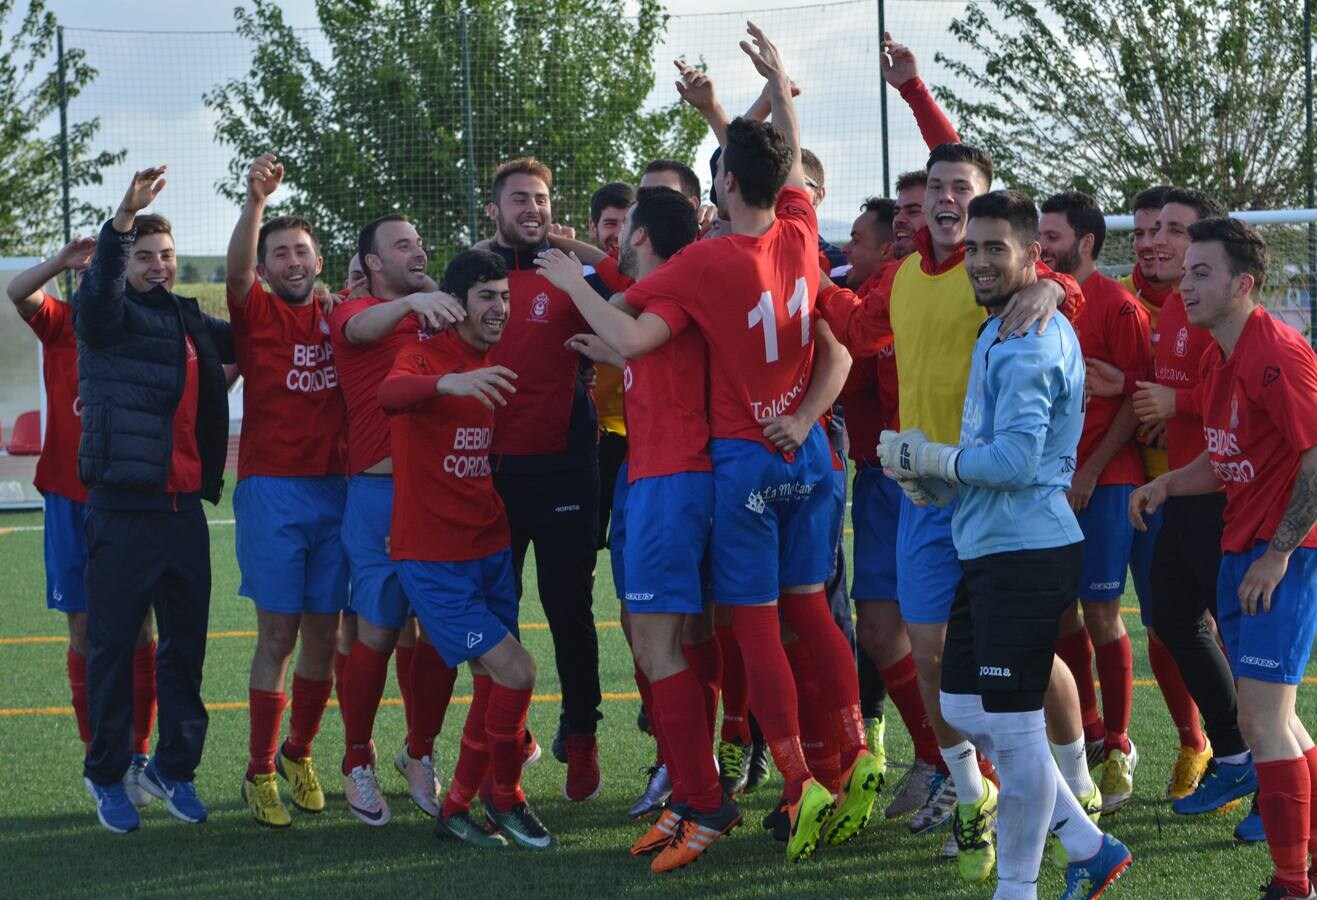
[1003,626]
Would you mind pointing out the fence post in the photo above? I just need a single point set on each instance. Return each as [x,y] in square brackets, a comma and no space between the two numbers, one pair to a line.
[64,150]
[469,128]
[1308,164]
[882,99]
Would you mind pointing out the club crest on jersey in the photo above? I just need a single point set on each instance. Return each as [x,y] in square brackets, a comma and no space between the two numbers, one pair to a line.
[473,638]
[1234,411]
[539,307]
[324,327]
[1182,342]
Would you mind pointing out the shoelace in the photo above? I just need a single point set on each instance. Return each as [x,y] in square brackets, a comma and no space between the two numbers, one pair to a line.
[267,792]
[364,781]
[309,774]
[966,831]
[730,760]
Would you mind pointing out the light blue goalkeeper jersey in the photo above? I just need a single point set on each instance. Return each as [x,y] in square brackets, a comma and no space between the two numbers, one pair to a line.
[1024,411]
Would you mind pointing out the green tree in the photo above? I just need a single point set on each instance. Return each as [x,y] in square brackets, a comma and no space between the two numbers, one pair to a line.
[31,219]
[375,121]
[1110,96]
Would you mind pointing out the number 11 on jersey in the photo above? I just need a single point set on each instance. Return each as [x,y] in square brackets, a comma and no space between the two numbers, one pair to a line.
[763,314]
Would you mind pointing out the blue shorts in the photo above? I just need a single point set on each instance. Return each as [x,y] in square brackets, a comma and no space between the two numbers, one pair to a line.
[377,595]
[1275,645]
[617,532]
[874,514]
[1108,536]
[669,519]
[66,554]
[927,567]
[288,544]
[771,518]
[1141,550]
[466,607]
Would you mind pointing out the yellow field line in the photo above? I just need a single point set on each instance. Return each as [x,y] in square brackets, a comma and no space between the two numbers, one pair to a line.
[214,635]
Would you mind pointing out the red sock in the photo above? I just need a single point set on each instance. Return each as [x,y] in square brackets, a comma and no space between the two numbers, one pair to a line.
[473,754]
[810,618]
[402,670]
[902,682]
[817,739]
[505,723]
[310,697]
[77,666]
[647,701]
[1310,757]
[736,697]
[340,660]
[1115,668]
[1076,651]
[143,698]
[680,707]
[772,691]
[1181,706]
[363,685]
[985,767]
[1285,803]
[661,738]
[431,685]
[266,712]
[706,661]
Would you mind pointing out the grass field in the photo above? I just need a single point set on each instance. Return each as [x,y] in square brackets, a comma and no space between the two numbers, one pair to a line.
[51,844]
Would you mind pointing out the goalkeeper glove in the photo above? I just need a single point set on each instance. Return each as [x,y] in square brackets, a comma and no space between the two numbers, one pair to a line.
[910,454]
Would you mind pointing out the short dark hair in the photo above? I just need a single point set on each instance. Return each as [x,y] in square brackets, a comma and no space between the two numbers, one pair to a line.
[614,195]
[910,179]
[1011,206]
[1207,206]
[812,166]
[469,268]
[883,208]
[667,217]
[522,165]
[1245,248]
[366,239]
[758,156]
[690,182]
[284,223]
[1150,198]
[1082,213]
[152,223]
[961,153]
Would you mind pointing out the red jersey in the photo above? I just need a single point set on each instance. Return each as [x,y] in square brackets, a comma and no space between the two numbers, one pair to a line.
[750,297]
[870,395]
[1259,414]
[1113,328]
[1177,350]
[445,508]
[361,368]
[57,469]
[293,422]
[185,461]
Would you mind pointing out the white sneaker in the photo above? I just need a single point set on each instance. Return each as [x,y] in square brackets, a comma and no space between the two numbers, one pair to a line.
[132,782]
[912,790]
[939,806]
[362,792]
[422,782]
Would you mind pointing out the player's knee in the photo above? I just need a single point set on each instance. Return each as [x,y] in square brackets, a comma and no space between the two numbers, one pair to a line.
[275,640]
[519,674]
[1258,724]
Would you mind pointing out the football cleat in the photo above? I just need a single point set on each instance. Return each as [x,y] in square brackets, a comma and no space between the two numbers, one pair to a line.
[854,806]
[658,835]
[422,782]
[522,826]
[658,788]
[261,794]
[972,827]
[732,768]
[1117,784]
[758,768]
[939,806]
[913,790]
[1095,753]
[1088,879]
[695,833]
[303,782]
[1221,784]
[1190,765]
[362,792]
[531,751]
[807,817]
[1277,890]
[875,738]
[1092,804]
[461,826]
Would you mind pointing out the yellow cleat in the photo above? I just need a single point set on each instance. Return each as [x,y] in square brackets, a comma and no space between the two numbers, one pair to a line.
[973,826]
[807,816]
[302,781]
[1189,768]
[854,806]
[262,796]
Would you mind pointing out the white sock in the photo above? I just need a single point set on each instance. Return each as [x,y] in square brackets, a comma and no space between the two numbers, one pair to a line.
[1026,802]
[964,712]
[1235,759]
[963,763]
[1071,825]
[1072,760]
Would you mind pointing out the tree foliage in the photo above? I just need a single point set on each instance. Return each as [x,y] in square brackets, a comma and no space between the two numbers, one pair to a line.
[1110,96]
[31,218]
[374,122]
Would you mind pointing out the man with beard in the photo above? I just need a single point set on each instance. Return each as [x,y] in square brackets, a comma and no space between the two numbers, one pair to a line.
[290,495]
[1019,548]
[1113,328]
[545,458]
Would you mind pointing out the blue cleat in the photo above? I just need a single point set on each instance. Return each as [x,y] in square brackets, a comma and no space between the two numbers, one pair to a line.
[1222,783]
[1249,830]
[1088,878]
[180,796]
[113,807]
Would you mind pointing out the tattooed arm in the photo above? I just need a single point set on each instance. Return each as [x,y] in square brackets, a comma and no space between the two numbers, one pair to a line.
[1300,516]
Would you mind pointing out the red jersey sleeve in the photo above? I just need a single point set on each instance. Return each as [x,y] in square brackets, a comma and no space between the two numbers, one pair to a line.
[51,319]
[676,318]
[1072,305]
[252,310]
[793,205]
[409,382]
[1289,395]
[343,313]
[933,123]
[864,326]
[662,293]
[1130,341]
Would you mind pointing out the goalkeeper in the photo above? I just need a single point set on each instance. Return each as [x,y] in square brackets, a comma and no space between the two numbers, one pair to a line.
[1020,551]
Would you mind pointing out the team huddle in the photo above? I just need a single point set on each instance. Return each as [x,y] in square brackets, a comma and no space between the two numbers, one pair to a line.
[1026,434]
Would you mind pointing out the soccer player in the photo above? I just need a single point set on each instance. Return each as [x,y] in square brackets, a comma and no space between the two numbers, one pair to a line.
[545,459]
[450,538]
[155,433]
[749,296]
[1258,401]
[675,175]
[1020,550]
[64,498]
[366,334]
[290,495]
[1113,328]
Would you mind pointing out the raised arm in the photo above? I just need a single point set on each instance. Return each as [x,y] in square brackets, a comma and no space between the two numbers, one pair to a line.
[768,62]
[901,71]
[25,289]
[435,310]
[696,88]
[263,178]
[630,337]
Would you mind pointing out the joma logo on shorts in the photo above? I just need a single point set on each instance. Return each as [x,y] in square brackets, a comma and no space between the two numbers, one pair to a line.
[994,672]
[1260,662]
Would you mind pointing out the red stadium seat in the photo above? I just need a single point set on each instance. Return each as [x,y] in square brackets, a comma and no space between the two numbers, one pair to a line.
[26,438]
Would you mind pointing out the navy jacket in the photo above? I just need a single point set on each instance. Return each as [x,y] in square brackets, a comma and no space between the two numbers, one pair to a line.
[131,370]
